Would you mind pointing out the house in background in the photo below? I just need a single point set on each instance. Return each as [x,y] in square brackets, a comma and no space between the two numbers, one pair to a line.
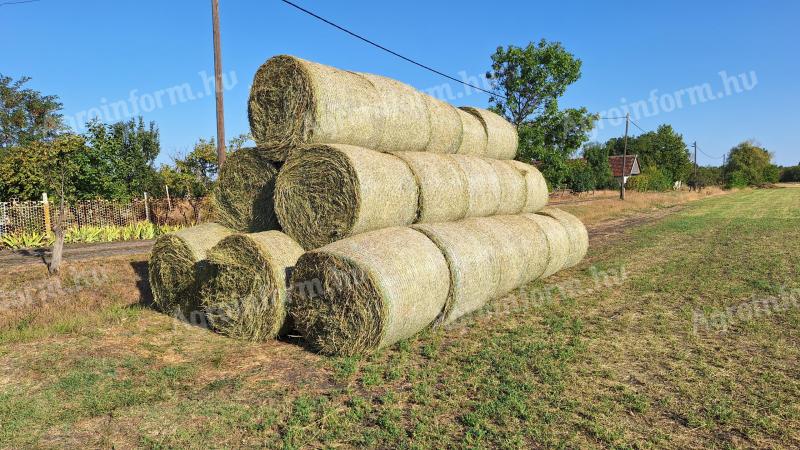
[631,167]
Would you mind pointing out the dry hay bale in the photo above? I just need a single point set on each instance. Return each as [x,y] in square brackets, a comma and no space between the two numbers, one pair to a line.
[243,290]
[407,126]
[368,291]
[175,262]
[293,102]
[242,195]
[488,257]
[501,136]
[443,191]
[576,231]
[473,135]
[483,185]
[328,192]
[445,126]
[538,194]
[558,242]
[513,187]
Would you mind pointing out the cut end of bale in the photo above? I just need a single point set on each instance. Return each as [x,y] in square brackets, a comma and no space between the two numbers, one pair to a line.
[244,286]
[243,195]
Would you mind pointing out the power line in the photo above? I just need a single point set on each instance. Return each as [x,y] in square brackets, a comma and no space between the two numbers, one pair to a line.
[712,157]
[19,2]
[358,36]
[637,126]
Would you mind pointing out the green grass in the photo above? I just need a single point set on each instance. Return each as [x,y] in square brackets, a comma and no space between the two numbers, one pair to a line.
[618,366]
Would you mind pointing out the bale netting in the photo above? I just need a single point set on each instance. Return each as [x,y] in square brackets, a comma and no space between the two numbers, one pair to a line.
[576,232]
[538,194]
[558,243]
[513,187]
[443,190]
[242,196]
[294,102]
[175,263]
[328,192]
[501,136]
[243,290]
[483,185]
[369,291]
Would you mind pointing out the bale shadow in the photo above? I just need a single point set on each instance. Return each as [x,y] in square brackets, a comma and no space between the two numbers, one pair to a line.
[143,284]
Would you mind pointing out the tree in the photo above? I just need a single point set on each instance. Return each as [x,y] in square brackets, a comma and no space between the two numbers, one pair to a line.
[27,116]
[581,176]
[25,173]
[790,174]
[750,165]
[596,155]
[663,148]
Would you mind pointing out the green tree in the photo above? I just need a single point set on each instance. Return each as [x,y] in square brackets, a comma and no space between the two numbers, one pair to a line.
[25,173]
[26,116]
[750,164]
[581,176]
[790,174]
[663,148]
[596,155]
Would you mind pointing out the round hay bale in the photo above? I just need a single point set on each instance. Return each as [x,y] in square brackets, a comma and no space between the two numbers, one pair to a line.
[443,191]
[576,231]
[243,290]
[407,126]
[488,257]
[175,262]
[473,135]
[538,194]
[483,185]
[293,102]
[445,126]
[328,192]
[242,196]
[558,243]
[368,291]
[501,136]
[513,187]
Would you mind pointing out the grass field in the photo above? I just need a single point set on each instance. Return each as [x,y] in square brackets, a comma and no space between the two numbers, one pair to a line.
[681,333]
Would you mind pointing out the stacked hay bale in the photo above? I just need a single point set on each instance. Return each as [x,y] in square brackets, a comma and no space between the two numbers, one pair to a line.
[400,212]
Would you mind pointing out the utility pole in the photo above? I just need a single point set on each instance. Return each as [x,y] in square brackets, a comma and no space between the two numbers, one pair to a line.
[624,158]
[218,84]
[695,161]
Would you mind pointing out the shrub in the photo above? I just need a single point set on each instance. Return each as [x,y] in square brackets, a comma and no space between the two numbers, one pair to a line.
[580,177]
[651,179]
[790,174]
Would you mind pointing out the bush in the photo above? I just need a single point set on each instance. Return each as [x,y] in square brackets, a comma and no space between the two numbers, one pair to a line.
[580,177]
[790,174]
[651,179]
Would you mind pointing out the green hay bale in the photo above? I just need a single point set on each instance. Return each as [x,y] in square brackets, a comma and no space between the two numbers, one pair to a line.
[175,262]
[487,257]
[244,288]
[407,112]
[501,136]
[294,102]
[242,195]
[443,191]
[328,192]
[513,187]
[576,232]
[368,291]
[538,194]
[558,242]
[445,126]
[483,185]
[473,135]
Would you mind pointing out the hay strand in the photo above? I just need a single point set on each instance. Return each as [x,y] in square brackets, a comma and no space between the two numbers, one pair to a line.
[576,232]
[501,136]
[328,192]
[175,262]
[244,288]
[369,291]
[242,195]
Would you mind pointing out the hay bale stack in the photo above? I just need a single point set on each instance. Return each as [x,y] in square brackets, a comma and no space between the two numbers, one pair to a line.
[558,243]
[501,136]
[483,185]
[294,102]
[538,194]
[487,257]
[242,195]
[244,287]
[576,232]
[513,187]
[328,192]
[443,190]
[175,263]
[369,291]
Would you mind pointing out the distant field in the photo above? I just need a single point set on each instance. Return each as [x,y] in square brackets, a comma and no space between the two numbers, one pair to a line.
[679,333]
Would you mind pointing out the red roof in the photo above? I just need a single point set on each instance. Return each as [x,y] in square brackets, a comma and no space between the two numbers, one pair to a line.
[631,165]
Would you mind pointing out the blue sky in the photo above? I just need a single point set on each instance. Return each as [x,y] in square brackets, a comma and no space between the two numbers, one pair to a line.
[661,59]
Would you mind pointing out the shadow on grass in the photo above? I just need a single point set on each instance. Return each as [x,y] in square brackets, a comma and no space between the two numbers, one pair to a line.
[143,284]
